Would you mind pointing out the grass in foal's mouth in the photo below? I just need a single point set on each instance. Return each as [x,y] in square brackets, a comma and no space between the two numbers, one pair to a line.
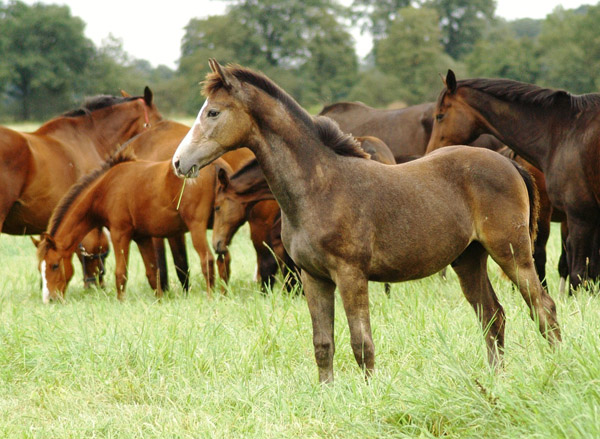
[242,365]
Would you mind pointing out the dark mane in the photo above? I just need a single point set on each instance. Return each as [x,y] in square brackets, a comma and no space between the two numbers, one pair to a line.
[85,181]
[521,92]
[97,103]
[325,128]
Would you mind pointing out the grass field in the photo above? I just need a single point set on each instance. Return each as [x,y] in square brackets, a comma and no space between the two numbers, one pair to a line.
[242,365]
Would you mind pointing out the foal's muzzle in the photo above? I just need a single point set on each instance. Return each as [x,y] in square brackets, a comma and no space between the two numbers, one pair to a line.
[191,173]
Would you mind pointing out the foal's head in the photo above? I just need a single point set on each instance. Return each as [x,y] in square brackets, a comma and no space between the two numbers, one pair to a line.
[56,268]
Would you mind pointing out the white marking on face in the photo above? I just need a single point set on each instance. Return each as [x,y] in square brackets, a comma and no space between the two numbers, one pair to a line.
[45,290]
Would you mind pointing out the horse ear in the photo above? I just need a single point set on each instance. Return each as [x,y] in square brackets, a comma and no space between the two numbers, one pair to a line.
[451,81]
[222,177]
[36,242]
[48,239]
[215,67]
[148,96]
[125,94]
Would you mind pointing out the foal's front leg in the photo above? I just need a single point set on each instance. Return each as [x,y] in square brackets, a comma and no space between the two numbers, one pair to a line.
[321,304]
[146,246]
[354,290]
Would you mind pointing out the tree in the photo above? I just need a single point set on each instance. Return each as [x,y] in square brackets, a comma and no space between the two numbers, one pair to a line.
[44,53]
[377,15]
[462,23]
[412,52]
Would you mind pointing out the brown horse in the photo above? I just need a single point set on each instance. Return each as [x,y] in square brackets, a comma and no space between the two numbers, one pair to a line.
[456,206]
[555,131]
[111,197]
[38,168]
[158,144]
[245,196]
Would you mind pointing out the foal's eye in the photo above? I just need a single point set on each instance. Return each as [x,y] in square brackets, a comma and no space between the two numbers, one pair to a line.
[54,267]
[212,113]
[217,208]
[439,117]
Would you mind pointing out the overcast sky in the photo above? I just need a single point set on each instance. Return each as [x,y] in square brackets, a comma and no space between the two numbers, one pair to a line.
[153,30]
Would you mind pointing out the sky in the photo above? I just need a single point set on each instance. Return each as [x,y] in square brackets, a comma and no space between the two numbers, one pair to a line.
[153,30]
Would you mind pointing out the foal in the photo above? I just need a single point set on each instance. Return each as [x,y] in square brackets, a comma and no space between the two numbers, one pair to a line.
[459,206]
[135,200]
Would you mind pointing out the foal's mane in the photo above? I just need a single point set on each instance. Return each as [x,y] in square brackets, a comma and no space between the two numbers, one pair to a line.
[325,128]
[524,93]
[97,103]
[123,155]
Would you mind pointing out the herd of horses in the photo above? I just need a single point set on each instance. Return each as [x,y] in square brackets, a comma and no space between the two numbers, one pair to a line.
[352,195]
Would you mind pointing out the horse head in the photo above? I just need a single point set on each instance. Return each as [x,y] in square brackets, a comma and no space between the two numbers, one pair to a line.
[55,267]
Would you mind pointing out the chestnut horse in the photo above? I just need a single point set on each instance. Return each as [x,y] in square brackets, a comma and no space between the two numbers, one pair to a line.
[110,197]
[38,168]
[456,206]
[555,131]
[158,144]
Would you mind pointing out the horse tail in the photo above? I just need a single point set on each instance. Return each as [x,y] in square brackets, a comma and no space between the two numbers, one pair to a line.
[534,200]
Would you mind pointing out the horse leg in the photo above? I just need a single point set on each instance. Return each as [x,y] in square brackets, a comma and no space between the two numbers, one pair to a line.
[321,304]
[161,262]
[517,264]
[267,268]
[224,265]
[471,268]
[147,250]
[207,261]
[354,290]
[581,246]
[120,243]
[563,264]
[177,244]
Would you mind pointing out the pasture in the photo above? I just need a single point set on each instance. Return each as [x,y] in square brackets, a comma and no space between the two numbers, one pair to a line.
[242,365]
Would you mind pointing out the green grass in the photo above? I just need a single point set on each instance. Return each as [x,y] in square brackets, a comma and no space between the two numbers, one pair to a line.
[242,365]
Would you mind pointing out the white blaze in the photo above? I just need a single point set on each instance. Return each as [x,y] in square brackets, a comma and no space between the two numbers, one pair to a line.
[187,140]
[45,290]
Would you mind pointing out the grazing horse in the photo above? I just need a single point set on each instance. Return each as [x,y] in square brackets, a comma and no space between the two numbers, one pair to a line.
[158,144]
[456,206]
[38,168]
[555,131]
[110,197]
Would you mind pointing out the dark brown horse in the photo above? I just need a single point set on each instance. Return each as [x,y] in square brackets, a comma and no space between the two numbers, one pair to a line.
[456,206]
[38,168]
[557,132]
[111,197]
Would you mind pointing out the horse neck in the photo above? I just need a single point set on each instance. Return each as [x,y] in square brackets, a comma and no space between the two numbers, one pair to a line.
[290,157]
[76,223]
[527,129]
[102,130]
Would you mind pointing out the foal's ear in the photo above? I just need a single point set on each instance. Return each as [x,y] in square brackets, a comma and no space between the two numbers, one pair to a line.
[216,68]
[125,94]
[450,81]
[36,242]
[148,96]
[222,177]
[49,240]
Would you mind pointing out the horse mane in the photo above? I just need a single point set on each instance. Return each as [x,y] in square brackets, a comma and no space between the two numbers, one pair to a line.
[530,94]
[326,129]
[123,155]
[98,102]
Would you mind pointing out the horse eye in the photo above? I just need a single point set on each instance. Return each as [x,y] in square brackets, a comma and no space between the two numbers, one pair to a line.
[212,113]
[217,208]
[54,267]
[439,117]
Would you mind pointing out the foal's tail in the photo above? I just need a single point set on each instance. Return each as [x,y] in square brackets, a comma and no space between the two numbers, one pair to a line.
[534,200]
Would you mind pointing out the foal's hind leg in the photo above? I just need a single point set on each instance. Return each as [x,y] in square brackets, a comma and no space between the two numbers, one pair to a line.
[471,268]
[146,247]
[161,262]
[517,264]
